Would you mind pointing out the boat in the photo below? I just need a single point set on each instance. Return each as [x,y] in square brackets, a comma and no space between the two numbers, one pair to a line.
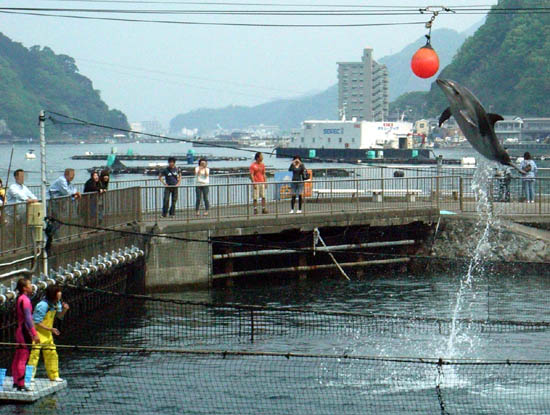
[359,142]
[29,155]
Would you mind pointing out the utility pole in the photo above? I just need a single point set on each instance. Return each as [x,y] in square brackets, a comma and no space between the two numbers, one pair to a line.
[42,121]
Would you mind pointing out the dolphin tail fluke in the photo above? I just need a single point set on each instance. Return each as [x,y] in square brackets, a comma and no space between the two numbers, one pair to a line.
[445,116]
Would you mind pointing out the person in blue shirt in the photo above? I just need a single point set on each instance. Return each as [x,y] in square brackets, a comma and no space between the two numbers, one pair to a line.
[18,192]
[62,186]
[170,177]
[45,313]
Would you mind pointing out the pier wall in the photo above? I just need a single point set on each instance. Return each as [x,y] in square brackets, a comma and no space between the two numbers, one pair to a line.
[188,263]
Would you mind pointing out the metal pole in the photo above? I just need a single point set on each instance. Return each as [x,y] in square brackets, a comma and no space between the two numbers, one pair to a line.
[316,248]
[42,121]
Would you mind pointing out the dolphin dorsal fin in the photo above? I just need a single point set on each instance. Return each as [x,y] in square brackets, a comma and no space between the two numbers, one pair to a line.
[493,118]
[445,116]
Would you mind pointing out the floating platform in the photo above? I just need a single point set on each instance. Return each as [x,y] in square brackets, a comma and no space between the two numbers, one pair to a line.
[151,157]
[40,388]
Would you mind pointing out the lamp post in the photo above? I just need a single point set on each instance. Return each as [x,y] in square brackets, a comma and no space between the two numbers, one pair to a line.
[42,121]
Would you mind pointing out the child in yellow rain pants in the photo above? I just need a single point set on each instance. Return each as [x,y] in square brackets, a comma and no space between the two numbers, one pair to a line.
[44,316]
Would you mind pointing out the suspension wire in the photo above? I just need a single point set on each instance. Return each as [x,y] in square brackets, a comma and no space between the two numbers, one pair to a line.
[289,355]
[195,23]
[306,310]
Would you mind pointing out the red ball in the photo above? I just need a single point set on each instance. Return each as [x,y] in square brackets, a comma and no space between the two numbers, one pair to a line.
[425,62]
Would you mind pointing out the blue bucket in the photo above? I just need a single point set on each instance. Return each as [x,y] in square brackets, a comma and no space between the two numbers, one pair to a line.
[2,377]
[28,374]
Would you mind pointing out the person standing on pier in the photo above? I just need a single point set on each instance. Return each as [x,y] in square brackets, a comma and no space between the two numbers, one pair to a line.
[202,180]
[104,179]
[170,177]
[299,174]
[45,313]
[25,334]
[257,175]
[529,166]
[18,192]
[62,186]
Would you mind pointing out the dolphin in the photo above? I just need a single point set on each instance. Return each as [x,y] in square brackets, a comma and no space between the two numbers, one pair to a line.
[476,124]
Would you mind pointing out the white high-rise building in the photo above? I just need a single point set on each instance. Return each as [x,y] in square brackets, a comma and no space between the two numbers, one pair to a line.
[363,89]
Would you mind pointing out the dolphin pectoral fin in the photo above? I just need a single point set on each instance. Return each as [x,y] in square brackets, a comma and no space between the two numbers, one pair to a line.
[494,118]
[468,119]
[445,116]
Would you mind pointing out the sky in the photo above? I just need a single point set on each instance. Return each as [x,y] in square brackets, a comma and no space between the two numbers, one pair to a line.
[154,71]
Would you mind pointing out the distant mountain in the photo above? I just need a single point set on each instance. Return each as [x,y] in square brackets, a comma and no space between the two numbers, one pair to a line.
[286,113]
[36,78]
[506,63]
[289,113]
[446,42]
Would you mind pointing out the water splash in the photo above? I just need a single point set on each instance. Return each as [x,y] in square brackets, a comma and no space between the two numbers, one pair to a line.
[466,295]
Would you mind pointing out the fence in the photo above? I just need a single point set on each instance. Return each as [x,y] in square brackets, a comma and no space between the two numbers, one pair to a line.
[176,381]
[115,207]
[147,321]
[322,196]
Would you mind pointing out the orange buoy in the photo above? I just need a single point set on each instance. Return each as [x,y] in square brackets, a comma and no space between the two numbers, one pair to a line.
[425,62]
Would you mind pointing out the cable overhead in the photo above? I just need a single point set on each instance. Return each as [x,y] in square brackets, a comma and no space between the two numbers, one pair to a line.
[196,23]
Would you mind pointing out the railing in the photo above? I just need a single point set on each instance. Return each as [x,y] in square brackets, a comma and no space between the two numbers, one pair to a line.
[115,207]
[229,198]
[320,196]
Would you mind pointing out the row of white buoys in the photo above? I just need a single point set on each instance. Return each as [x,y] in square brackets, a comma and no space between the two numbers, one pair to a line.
[72,273]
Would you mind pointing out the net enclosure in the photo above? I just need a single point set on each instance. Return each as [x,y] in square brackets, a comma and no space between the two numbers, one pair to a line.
[178,381]
[127,353]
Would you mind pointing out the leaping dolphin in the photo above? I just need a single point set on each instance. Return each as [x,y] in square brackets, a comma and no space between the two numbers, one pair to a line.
[477,126]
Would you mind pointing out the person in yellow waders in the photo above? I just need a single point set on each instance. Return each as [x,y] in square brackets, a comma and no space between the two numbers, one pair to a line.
[44,316]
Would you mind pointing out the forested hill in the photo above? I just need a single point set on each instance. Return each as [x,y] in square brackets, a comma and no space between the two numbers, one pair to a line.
[506,63]
[37,78]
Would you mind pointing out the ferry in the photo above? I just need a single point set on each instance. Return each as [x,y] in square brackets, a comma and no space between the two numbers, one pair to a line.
[359,142]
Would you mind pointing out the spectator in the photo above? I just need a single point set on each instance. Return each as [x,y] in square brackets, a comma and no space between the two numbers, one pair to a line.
[257,175]
[44,315]
[299,174]
[18,192]
[94,185]
[25,333]
[62,186]
[104,178]
[529,168]
[2,193]
[202,176]
[172,178]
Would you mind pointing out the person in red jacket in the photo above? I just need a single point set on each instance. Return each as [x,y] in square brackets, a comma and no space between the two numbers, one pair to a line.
[257,175]
[25,334]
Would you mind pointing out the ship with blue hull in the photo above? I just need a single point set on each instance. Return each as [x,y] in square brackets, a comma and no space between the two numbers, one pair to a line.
[359,142]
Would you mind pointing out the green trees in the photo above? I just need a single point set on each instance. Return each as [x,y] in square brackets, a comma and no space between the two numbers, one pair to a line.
[506,63]
[36,78]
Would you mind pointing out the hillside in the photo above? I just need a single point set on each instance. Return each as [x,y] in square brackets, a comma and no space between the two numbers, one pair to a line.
[37,78]
[445,41]
[506,63]
[287,113]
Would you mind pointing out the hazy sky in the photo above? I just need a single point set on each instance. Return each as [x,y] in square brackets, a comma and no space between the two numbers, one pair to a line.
[155,71]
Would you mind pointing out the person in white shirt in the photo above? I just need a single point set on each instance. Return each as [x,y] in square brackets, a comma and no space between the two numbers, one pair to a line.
[18,192]
[202,180]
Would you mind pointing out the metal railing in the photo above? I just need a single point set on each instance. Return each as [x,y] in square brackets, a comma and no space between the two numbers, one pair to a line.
[320,196]
[113,208]
[235,200]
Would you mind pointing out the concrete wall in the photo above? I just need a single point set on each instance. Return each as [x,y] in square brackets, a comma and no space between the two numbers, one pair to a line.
[172,263]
